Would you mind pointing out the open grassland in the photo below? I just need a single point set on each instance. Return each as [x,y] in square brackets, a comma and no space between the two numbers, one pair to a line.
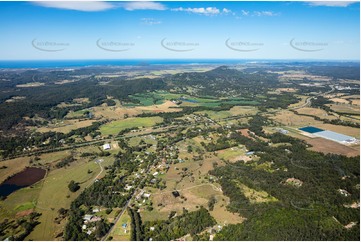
[118,112]
[232,154]
[345,108]
[147,99]
[120,233]
[255,196]
[316,112]
[13,166]
[265,166]
[134,141]
[116,126]
[66,126]
[31,84]
[299,103]
[51,193]
[55,194]
[215,115]
[21,200]
[243,110]
[76,114]
[235,111]
[339,100]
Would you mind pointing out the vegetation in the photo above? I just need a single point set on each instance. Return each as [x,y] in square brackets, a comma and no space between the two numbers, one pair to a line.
[188,223]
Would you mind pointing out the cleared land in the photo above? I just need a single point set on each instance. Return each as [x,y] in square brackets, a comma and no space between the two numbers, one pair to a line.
[116,126]
[55,194]
[31,84]
[120,233]
[297,121]
[12,167]
[316,112]
[233,154]
[344,108]
[255,196]
[328,146]
[66,126]
[195,190]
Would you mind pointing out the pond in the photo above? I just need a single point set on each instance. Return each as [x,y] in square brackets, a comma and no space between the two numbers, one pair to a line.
[188,100]
[25,178]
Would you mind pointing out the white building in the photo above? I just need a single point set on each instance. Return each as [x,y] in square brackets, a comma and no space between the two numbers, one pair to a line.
[106,147]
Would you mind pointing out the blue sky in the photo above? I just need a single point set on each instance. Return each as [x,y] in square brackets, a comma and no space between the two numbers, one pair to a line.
[179,30]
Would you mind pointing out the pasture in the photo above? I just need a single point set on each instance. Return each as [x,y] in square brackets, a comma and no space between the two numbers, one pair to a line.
[115,127]
[120,233]
[232,154]
[345,108]
[50,194]
[65,126]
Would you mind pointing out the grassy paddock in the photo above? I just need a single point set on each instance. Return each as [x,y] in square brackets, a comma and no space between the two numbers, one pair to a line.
[116,126]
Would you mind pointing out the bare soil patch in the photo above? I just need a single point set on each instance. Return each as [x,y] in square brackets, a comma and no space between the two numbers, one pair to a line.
[328,146]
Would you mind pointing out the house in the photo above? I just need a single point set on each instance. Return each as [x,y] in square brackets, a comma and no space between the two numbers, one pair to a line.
[151,228]
[96,210]
[84,227]
[127,187]
[344,192]
[87,217]
[155,173]
[106,147]
[250,153]
[146,195]
[95,219]
[124,225]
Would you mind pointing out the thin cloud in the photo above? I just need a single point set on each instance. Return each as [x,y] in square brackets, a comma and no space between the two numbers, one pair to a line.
[101,6]
[259,13]
[150,21]
[78,6]
[331,4]
[130,6]
[225,10]
[245,13]
[209,11]
[265,13]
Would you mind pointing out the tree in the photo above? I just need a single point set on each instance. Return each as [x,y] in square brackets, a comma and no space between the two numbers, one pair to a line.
[212,200]
[73,186]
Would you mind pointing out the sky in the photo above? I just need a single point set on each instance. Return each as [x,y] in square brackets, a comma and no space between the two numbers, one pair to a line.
[179,30]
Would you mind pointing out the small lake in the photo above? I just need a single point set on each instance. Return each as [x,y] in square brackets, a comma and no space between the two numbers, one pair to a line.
[25,178]
[188,100]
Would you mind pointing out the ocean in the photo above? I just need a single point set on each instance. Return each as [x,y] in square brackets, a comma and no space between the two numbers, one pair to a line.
[88,63]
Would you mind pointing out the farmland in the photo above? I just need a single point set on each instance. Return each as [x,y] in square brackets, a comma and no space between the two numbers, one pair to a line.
[117,126]
[142,149]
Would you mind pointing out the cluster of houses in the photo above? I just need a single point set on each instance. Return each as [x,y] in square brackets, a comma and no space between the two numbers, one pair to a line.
[89,220]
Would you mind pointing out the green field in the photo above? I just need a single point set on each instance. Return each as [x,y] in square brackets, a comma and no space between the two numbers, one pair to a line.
[146,99]
[116,126]
[231,153]
[76,114]
[216,115]
[55,194]
[120,233]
